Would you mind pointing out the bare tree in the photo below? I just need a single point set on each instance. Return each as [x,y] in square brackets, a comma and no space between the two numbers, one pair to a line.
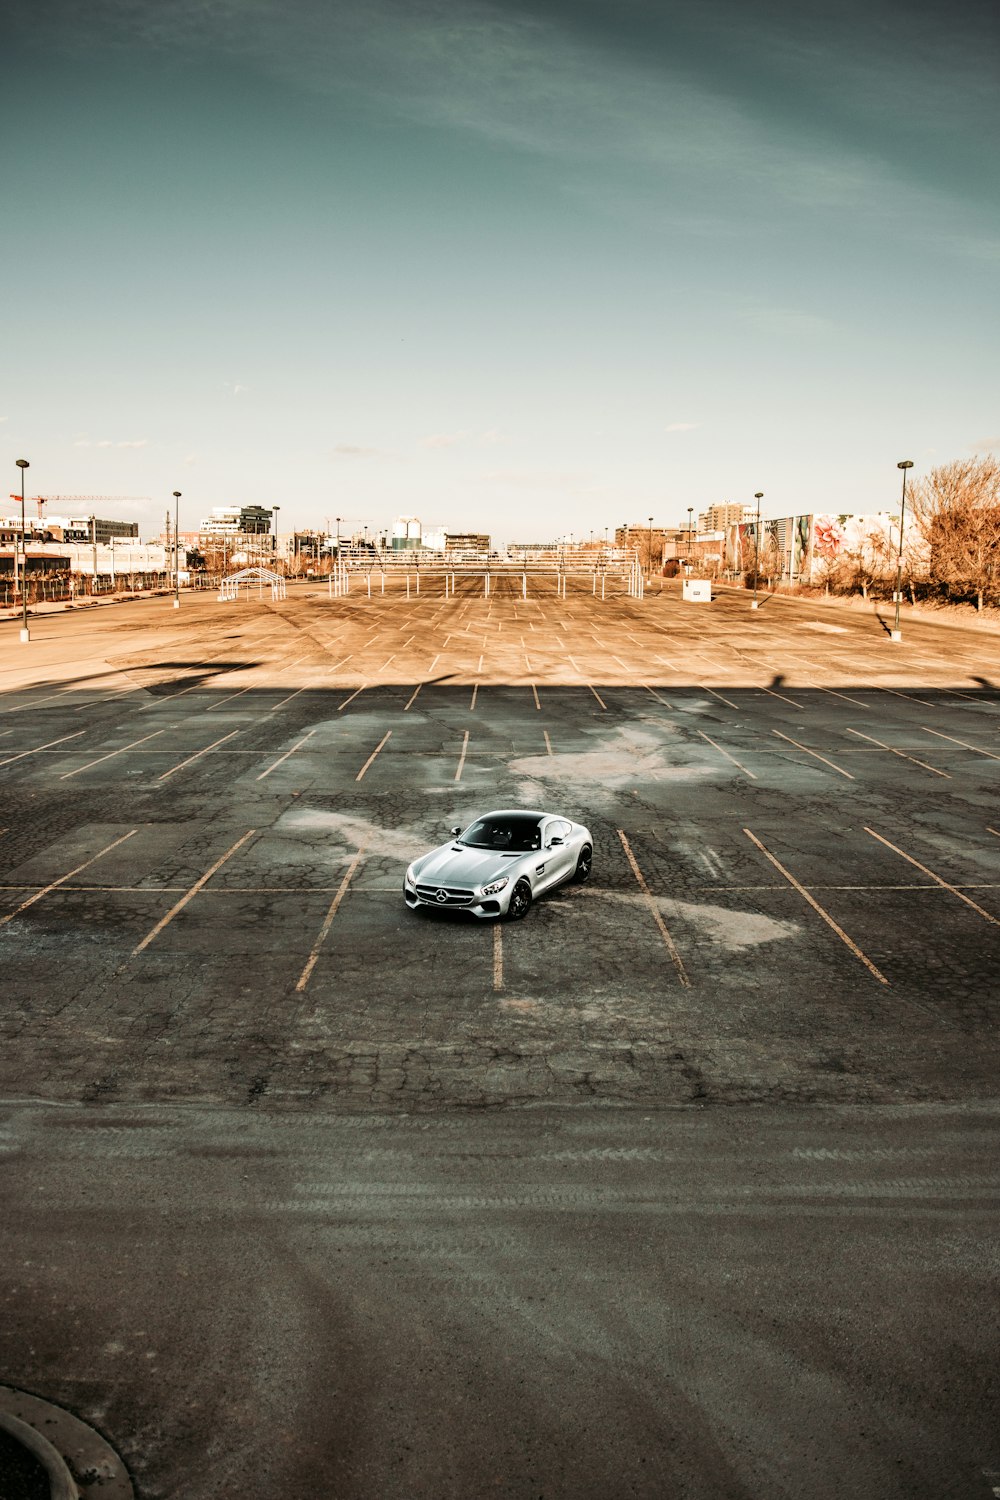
[957,511]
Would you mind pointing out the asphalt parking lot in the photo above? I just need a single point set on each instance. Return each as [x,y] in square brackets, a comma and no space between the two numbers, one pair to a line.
[218,1012]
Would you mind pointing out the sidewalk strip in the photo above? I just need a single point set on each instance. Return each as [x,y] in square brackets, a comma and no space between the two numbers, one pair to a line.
[497,957]
[815,753]
[726,753]
[328,922]
[371,757]
[111,754]
[655,911]
[48,746]
[901,753]
[818,909]
[198,754]
[198,885]
[937,878]
[287,753]
[974,748]
[461,759]
[63,878]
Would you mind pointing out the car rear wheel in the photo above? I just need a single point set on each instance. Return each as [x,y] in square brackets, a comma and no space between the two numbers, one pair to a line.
[520,901]
[583,864]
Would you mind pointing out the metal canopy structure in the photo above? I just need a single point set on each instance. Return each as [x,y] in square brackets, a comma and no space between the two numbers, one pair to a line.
[521,571]
[245,579]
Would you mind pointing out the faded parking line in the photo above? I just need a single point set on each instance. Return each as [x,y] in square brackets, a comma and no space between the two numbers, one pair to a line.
[287,753]
[655,911]
[901,753]
[814,753]
[937,878]
[199,883]
[111,754]
[198,754]
[974,748]
[818,909]
[63,878]
[48,746]
[726,753]
[303,979]
[387,736]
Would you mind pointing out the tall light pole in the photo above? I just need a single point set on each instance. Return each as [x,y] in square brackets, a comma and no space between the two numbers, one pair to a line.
[896,634]
[690,514]
[22,464]
[650,547]
[93,554]
[177,549]
[758,496]
[275,508]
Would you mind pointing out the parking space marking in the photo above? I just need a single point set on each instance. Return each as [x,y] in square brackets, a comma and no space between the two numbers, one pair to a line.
[475,690]
[655,911]
[534,692]
[726,753]
[111,754]
[38,748]
[657,696]
[846,697]
[461,758]
[198,754]
[416,690]
[909,696]
[378,747]
[779,695]
[211,707]
[275,706]
[931,875]
[497,957]
[815,753]
[893,751]
[548,742]
[287,753]
[974,748]
[303,979]
[995,831]
[190,894]
[727,701]
[63,878]
[598,696]
[352,697]
[821,911]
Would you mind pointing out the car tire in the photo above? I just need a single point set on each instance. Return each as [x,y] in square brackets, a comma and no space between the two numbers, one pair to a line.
[583,865]
[520,902]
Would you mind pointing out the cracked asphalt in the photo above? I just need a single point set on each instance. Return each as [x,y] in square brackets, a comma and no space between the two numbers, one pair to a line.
[308,1192]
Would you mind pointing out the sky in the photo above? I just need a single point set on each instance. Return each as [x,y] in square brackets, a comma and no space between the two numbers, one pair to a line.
[531,269]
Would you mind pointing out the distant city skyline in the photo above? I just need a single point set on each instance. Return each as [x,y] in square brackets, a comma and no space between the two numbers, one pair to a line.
[527,269]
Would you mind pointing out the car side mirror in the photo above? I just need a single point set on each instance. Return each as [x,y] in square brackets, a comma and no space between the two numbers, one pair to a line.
[555,840]
[455,832]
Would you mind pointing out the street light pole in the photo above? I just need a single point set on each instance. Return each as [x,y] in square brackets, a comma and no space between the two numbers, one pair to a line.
[22,464]
[177,549]
[758,496]
[650,548]
[93,554]
[274,558]
[690,514]
[896,634]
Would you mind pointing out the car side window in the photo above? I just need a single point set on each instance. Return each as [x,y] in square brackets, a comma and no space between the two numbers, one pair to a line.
[558,828]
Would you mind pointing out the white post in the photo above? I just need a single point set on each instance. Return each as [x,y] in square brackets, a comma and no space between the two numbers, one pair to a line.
[369,584]
[407,585]
[383,580]
[602,585]
[418,580]
[524,585]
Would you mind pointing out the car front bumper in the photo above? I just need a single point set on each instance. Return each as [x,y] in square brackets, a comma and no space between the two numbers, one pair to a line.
[468,902]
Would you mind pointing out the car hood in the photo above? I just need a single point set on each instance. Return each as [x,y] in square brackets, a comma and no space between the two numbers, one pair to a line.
[452,866]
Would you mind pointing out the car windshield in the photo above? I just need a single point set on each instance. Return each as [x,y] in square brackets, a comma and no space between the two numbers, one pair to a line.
[511,835]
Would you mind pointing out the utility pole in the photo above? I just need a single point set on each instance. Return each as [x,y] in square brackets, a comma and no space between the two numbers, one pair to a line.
[93,543]
[22,464]
[758,496]
[177,549]
[896,634]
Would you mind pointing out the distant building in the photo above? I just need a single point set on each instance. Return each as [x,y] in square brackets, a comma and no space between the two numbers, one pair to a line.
[718,517]
[406,534]
[245,520]
[466,541]
[71,528]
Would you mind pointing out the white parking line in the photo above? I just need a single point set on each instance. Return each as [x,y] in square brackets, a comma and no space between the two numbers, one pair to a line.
[287,753]
[779,695]
[930,873]
[461,759]
[655,912]
[416,690]
[727,701]
[352,697]
[497,958]
[63,878]
[475,690]
[726,753]
[893,751]
[198,754]
[199,883]
[111,754]
[378,747]
[818,909]
[303,979]
[534,692]
[597,696]
[657,696]
[815,753]
[548,742]
[47,746]
[974,748]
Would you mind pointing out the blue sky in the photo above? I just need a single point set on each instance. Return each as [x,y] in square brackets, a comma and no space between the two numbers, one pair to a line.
[533,269]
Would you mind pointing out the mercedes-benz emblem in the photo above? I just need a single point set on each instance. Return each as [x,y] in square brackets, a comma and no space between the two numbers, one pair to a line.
[440,895]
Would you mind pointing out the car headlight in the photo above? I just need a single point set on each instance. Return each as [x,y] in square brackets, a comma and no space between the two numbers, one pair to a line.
[411,878]
[494,888]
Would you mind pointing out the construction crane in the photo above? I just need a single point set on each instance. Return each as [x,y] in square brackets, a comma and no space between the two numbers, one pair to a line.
[42,500]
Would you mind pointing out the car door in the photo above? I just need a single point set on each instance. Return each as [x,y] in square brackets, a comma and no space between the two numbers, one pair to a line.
[557,861]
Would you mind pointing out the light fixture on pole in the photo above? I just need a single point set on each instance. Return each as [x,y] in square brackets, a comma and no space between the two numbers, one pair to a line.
[758,496]
[177,549]
[22,464]
[896,634]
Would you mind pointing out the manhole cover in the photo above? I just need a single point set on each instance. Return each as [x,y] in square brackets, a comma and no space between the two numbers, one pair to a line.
[46,1453]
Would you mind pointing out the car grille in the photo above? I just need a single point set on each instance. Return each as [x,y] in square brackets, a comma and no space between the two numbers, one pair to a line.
[452,895]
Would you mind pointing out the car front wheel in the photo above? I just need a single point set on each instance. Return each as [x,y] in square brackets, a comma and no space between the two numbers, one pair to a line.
[520,901]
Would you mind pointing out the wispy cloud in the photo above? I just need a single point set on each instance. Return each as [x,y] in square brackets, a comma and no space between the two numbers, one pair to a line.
[235,386]
[354,450]
[192,458]
[986,444]
[537,479]
[682,426]
[111,443]
[442,440]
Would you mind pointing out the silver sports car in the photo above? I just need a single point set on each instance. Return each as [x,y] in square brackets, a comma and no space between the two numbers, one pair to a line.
[500,864]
